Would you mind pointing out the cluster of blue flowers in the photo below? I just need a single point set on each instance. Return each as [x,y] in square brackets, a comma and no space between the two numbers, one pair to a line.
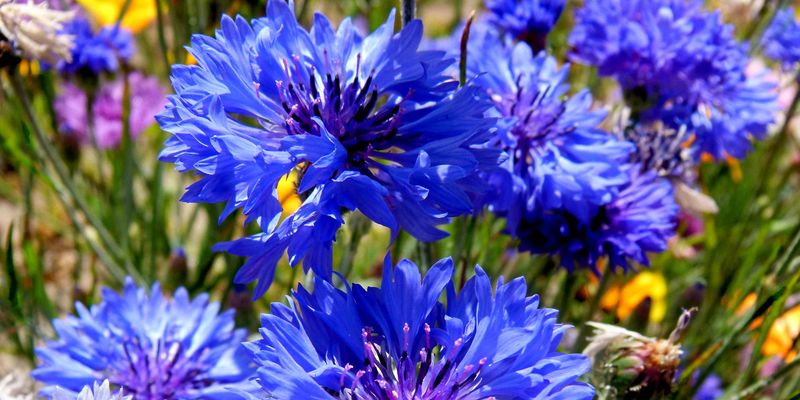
[680,65]
[378,123]
[398,341]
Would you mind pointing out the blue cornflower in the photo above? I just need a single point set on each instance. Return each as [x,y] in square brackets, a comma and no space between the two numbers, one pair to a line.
[527,20]
[400,342]
[97,391]
[96,52]
[780,40]
[680,65]
[151,347]
[557,155]
[368,123]
[640,219]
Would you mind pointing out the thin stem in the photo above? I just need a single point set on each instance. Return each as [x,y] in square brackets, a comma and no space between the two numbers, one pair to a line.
[751,390]
[409,11]
[162,39]
[462,62]
[67,184]
[605,280]
[127,171]
[779,296]
[360,227]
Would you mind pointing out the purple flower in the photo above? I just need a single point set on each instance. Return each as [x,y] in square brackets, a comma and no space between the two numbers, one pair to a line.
[147,98]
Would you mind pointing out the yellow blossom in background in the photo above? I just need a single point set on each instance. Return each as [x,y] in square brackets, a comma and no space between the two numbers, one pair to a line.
[782,334]
[736,168]
[29,68]
[630,295]
[139,15]
[287,194]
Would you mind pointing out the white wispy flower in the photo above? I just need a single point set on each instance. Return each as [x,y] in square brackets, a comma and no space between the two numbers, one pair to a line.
[99,391]
[13,387]
[35,29]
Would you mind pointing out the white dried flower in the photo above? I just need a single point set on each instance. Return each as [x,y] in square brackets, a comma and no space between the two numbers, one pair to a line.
[98,391]
[12,387]
[35,29]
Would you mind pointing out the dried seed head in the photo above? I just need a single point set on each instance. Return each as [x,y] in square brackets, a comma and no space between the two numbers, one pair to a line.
[34,30]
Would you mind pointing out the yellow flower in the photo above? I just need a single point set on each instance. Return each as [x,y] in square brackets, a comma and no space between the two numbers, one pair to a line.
[646,284]
[29,68]
[138,16]
[287,193]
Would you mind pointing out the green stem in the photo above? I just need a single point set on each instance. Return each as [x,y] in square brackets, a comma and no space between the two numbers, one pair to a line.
[128,167]
[605,280]
[162,39]
[67,184]
[752,390]
[778,297]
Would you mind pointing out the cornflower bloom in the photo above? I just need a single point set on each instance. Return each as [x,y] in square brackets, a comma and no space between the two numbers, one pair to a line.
[781,38]
[680,65]
[151,347]
[400,342]
[96,53]
[366,122]
[526,20]
[575,191]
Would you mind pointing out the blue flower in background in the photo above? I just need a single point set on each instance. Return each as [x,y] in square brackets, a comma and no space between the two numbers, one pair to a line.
[400,342]
[150,347]
[680,65]
[96,391]
[780,40]
[526,20]
[560,164]
[368,123]
[98,52]
[640,219]
[710,389]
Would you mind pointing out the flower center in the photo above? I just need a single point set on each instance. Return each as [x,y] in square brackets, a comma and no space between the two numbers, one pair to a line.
[157,374]
[352,110]
[537,114]
[431,373]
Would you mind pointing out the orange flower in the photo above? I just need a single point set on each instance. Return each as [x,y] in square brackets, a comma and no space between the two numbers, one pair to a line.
[646,284]
[782,334]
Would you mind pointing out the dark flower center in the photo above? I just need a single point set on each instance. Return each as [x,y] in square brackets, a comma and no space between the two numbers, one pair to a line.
[159,373]
[356,112]
[433,375]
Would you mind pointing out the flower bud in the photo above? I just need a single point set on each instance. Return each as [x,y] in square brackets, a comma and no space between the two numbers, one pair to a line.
[629,365]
